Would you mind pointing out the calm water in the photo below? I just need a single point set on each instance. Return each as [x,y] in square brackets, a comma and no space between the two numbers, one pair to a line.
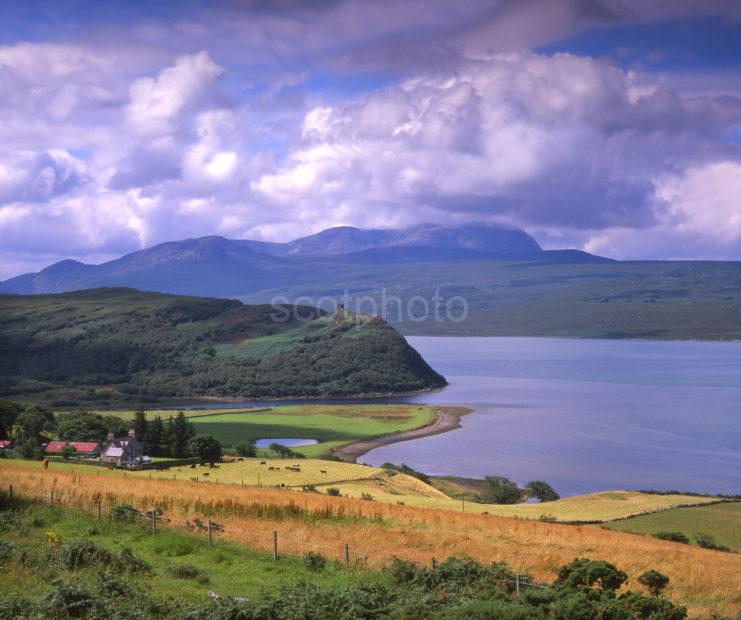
[585,415]
[286,441]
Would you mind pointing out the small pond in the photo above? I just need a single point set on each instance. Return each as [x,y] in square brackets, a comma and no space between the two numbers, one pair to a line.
[287,442]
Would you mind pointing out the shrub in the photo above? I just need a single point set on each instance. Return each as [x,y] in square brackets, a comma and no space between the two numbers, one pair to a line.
[706,541]
[654,581]
[12,606]
[673,536]
[310,488]
[585,573]
[79,553]
[67,601]
[366,496]
[188,571]
[246,448]
[315,562]
[333,491]
[402,571]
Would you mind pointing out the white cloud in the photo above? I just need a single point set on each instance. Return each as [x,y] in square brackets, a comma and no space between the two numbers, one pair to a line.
[158,103]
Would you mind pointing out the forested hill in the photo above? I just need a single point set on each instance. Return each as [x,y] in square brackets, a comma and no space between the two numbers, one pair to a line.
[119,344]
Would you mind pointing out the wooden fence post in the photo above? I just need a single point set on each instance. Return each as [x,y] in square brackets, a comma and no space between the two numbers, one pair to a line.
[11,493]
[275,545]
[99,502]
[52,498]
[347,553]
[210,535]
[154,522]
[517,584]
[434,563]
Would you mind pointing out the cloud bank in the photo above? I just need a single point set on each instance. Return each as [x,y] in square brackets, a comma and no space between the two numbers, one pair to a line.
[252,122]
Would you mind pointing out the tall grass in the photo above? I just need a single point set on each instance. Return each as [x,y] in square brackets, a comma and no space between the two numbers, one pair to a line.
[704,580]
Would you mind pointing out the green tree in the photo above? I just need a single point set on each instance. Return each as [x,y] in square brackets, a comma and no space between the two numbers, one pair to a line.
[33,421]
[140,422]
[501,490]
[654,581]
[154,439]
[68,451]
[82,426]
[246,448]
[179,433]
[9,411]
[206,447]
[31,450]
[541,490]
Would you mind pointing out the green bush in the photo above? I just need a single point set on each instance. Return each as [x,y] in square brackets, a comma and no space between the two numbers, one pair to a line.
[188,571]
[654,581]
[80,553]
[585,573]
[673,536]
[315,562]
[706,541]
[15,607]
[333,491]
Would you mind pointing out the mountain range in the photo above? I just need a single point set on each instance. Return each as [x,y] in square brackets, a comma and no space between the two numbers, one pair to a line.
[506,283]
[218,266]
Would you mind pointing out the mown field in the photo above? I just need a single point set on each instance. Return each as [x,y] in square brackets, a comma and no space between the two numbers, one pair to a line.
[331,425]
[722,521]
[702,579]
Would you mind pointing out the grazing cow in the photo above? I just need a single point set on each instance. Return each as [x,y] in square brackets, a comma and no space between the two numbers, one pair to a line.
[46,463]
[193,466]
[322,471]
[263,462]
[205,473]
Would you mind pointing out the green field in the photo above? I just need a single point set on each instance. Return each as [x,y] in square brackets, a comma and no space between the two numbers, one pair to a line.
[331,425]
[721,521]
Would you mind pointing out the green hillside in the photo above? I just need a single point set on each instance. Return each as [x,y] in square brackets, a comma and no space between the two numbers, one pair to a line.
[118,344]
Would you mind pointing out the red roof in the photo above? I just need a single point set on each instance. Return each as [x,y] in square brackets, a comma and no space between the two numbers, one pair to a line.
[55,447]
[5,443]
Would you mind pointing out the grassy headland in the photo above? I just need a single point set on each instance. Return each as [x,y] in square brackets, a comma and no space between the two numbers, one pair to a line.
[117,345]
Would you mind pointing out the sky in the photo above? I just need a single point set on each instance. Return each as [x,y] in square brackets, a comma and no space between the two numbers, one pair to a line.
[612,126]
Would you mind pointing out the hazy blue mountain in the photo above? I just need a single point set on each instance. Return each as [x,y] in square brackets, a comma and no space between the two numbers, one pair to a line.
[478,236]
[225,267]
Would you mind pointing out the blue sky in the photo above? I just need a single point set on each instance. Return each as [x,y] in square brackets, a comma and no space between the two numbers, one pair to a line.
[608,125]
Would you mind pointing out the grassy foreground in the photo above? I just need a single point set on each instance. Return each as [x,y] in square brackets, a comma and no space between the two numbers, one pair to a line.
[331,425]
[702,579]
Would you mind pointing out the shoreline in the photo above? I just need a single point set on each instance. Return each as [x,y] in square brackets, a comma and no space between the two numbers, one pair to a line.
[447,418]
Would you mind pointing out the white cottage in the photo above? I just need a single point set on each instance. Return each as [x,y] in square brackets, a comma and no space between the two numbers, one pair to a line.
[123,450]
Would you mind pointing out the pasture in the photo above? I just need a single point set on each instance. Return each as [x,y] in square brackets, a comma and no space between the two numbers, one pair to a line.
[702,579]
[331,425]
[721,521]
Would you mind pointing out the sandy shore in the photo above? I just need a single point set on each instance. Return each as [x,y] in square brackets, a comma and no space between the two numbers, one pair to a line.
[446,419]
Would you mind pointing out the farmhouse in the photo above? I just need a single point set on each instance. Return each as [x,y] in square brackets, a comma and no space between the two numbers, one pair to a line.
[5,444]
[123,450]
[85,448]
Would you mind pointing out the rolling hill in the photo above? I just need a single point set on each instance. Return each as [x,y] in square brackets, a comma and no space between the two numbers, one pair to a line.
[118,344]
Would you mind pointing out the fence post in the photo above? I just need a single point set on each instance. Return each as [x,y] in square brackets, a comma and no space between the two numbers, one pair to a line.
[11,493]
[347,553]
[517,585]
[154,522]
[434,563]
[275,545]
[463,500]
[210,535]
[99,502]
[52,498]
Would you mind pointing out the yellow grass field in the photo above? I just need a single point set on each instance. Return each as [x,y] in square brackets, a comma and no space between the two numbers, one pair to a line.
[388,486]
[703,580]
